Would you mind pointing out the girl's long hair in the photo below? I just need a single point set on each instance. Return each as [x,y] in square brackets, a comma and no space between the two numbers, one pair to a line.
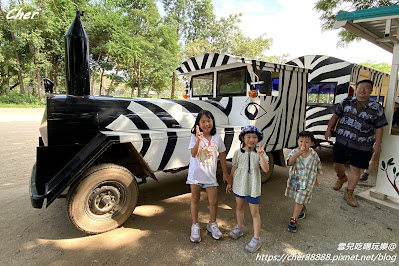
[207,114]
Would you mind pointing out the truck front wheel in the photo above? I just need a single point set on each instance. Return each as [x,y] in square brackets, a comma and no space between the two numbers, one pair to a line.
[103,199]
[266,176]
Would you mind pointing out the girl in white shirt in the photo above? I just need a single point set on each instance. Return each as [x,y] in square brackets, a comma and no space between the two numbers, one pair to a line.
[205,147]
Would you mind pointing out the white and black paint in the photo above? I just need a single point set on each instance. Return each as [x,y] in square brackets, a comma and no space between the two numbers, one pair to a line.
[324,68]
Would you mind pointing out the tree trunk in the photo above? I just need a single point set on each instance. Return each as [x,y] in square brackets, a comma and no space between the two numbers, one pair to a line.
[20,78]
[39,84]
[37,74]
[55,81]
[93,79]
[53,73]
[113,79]
[172,93]
[138,82]
[131,95]
[8,78]
[149,88]
[101,81]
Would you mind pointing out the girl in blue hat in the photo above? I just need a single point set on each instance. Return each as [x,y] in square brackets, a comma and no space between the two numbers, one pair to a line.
[246,187]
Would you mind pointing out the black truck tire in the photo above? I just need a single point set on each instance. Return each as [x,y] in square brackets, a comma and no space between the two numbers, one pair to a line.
[266,176]
[103,199]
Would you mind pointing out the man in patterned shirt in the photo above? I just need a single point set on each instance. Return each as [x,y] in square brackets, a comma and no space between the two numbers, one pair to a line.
[359,129]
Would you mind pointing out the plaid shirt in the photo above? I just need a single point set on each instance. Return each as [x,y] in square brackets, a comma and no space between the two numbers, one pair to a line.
[357,130]
[305,174]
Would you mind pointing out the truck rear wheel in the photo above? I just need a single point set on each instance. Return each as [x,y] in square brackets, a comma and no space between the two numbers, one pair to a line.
[103,199]
[266,176]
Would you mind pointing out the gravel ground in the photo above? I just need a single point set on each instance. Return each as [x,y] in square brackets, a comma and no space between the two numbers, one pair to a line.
[158,231]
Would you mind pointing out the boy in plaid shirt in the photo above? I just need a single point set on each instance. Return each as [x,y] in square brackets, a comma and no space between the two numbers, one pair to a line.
[304,166]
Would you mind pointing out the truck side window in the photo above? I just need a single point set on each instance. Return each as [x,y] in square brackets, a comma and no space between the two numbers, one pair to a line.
[275,82]
[231,82]
[322,92]
[202,85]
[271,82]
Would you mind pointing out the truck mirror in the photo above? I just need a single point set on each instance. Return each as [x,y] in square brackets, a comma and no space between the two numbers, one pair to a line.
[48,85]
[266,86]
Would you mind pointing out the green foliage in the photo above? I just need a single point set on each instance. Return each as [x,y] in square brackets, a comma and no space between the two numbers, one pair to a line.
[329,10]
[383,67]
[130,43]
[26,99]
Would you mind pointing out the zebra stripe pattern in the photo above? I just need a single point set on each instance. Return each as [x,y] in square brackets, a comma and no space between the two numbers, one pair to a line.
[330,69]
[282,116]
[159,129]
[214,60]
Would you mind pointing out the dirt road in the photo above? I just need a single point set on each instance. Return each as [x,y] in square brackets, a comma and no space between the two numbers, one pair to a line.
[157,233]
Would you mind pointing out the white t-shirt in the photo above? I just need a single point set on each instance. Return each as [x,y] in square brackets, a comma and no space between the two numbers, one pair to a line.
[202,169]
[306,159]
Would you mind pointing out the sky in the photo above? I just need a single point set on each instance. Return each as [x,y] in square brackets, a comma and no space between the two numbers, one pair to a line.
[295,28]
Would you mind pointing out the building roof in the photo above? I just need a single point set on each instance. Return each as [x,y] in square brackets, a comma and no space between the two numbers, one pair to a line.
[377,25]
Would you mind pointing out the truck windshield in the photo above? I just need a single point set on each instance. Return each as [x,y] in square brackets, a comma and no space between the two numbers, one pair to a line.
[202,85]
[231,82]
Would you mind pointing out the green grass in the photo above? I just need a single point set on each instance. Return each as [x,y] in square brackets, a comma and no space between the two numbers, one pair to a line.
[13,105]
[15,99]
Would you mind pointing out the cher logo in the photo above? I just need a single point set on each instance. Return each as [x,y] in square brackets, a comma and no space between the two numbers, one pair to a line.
[13,14]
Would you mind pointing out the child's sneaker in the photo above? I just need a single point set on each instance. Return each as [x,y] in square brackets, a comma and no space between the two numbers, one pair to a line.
[364,177]
[292,225]
[237,232]
[195,233]
[303,213]
[214,230]
[254,245]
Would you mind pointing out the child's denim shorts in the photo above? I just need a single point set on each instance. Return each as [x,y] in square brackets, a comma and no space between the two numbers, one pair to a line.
[249,199]
[202,185]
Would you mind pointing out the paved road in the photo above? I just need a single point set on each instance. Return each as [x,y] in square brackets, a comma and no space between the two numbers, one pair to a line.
[157,232]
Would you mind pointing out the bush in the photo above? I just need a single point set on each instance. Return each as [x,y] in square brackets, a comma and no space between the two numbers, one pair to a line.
[14,98]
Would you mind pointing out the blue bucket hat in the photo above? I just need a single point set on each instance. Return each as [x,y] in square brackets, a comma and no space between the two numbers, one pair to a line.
[250,129]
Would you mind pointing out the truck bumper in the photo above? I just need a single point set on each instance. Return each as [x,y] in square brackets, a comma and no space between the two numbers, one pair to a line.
[36,199]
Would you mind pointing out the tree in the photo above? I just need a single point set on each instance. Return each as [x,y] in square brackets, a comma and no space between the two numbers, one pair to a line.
[191,19]
[105,21]
[383,67]
[227,37]
[330,8]
[55,19]
[141,45]
[9,32]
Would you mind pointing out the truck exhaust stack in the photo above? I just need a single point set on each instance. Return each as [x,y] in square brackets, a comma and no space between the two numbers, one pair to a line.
[77,58]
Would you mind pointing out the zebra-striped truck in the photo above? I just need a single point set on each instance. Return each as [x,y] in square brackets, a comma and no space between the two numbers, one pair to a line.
[331,80]
[97,150]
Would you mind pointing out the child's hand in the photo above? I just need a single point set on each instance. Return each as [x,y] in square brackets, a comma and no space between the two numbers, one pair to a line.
[227,178]
[199,134]
[301,150]
[261,149]
[229,188]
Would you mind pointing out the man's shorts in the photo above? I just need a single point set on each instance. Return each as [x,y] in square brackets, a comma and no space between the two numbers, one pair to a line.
[202,185]
[249,199]
[356,158]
